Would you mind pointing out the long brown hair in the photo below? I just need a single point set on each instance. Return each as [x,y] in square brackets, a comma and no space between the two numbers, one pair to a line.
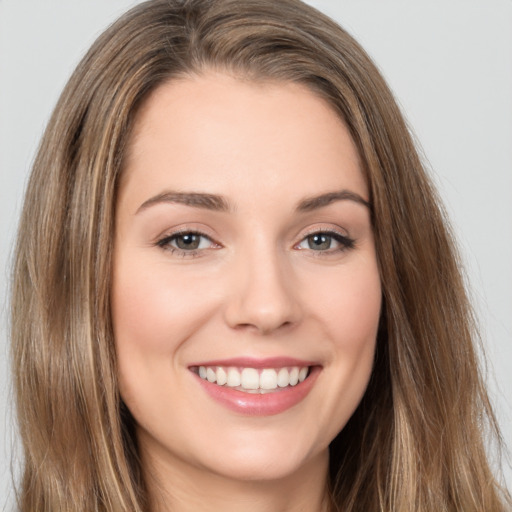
[416,441]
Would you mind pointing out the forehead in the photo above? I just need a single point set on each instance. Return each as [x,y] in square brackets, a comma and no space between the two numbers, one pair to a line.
[222,134]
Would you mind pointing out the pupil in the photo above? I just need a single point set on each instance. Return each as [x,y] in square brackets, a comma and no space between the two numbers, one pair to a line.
[317,242]
[189,241]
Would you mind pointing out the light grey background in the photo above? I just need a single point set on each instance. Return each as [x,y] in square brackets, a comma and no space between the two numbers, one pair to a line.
[450,65]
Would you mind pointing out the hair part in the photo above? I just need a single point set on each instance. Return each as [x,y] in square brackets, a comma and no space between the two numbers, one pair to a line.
[415,441]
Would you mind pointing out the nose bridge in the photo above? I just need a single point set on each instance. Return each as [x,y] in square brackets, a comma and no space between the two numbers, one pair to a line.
[262,289]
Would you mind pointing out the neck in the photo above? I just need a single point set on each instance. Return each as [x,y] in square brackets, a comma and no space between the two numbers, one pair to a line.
[177,487]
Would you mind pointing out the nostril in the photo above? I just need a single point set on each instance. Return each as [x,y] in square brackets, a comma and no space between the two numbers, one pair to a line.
[263,327]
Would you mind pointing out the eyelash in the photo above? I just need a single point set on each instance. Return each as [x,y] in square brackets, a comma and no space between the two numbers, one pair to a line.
[345,242]
[165,243]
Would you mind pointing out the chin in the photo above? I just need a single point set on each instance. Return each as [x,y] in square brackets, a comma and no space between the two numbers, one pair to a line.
[260,462]
[259,470]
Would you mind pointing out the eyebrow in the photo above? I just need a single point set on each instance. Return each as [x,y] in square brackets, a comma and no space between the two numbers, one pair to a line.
[194,199]
[315,202]
[219,203]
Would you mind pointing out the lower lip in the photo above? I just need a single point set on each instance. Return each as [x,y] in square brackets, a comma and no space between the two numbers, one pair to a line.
[257,404]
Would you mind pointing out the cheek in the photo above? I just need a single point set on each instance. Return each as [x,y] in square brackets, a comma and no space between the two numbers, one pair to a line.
[357,310]
[354,314]
[348,305]
[154,313]
[348,311]
[154,309]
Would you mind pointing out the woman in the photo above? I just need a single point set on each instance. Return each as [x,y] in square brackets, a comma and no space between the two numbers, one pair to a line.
[198,161]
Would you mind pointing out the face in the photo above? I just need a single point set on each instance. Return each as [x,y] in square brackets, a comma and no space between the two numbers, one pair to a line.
[246,293]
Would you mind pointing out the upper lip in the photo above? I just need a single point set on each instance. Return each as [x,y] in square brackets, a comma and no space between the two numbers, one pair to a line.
[251,362]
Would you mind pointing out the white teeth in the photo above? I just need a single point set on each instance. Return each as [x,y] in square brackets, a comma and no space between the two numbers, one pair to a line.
[283,378]
[294,376]
[210,375]
[268,379]
[234,379]
[222,376]
[250,378]
[253,380]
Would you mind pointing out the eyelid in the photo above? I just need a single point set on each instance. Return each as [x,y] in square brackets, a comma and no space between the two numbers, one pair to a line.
[192,228]
[164,241]
[324,229]
[341,237]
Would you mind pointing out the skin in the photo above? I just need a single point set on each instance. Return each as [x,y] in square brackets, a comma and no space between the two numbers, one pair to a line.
[254,288]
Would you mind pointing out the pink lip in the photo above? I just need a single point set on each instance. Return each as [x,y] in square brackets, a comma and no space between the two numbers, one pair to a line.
[252,404]
[250,362]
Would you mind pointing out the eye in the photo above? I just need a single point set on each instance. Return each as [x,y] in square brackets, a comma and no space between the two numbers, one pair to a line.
[187,242]
[326,241]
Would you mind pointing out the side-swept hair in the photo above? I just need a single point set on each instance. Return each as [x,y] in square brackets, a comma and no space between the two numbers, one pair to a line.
[415,443]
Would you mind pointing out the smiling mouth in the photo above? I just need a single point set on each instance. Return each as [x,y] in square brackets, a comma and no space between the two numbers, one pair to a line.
[253,380]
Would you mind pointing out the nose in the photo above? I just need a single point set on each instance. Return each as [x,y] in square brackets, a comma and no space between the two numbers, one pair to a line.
[263,297]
